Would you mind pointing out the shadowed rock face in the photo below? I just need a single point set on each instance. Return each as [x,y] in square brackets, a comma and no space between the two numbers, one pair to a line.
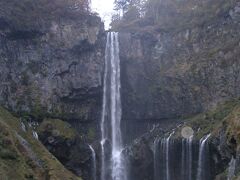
[67,146]
[51,62]
[170,72]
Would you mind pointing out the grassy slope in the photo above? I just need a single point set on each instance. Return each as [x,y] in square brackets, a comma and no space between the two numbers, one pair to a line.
[20,159]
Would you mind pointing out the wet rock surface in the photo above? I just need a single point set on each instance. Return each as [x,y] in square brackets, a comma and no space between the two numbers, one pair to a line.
[67,146]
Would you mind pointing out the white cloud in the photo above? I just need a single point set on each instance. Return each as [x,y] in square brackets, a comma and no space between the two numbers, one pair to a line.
[105,10]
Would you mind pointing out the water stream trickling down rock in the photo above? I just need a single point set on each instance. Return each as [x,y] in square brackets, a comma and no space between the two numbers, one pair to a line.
[181,159]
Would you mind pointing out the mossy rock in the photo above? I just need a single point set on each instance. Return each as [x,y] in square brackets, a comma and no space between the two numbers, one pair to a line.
[22,157]
[57,127]
[211,121]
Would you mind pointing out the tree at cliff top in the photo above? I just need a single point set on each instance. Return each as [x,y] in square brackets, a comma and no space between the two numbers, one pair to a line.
[51,8]
[168,13]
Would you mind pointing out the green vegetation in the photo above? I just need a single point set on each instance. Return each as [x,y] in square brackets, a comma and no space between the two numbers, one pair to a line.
[155,15]
[57,127]
[28,15]
[22,157]
[212,120]
[91,135]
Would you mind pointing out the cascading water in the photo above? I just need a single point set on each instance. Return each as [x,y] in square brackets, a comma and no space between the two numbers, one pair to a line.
[190,158]
[201,174]
[113,169]
[156,159]
[182,158]
[187,158]
[35,134]
[94,166]
[168,156]
[231,169]
[162,158]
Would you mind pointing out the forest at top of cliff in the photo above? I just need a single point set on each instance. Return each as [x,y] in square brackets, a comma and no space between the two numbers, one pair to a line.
[157,15]
[29,14]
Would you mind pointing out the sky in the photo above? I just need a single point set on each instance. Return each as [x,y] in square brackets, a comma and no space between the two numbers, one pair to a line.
[105,9]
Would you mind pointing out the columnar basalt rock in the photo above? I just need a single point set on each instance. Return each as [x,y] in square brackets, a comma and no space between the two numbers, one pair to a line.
[189,68]
[51,63]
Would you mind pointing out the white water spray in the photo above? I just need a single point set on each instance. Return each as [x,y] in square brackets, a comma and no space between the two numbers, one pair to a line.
[156,158]
[167,156]
[112,112]
[189,142]
[201,157]
[94,166]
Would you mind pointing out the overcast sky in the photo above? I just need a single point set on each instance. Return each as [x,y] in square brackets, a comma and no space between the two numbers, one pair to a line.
[105,9]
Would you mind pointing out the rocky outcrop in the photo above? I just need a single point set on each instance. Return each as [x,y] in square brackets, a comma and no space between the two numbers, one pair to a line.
[67,146]
[184,65]
[23,157]
[149,151]
[52,57]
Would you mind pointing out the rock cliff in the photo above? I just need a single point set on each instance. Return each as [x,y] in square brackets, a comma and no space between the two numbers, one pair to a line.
[184,64]
[51,58]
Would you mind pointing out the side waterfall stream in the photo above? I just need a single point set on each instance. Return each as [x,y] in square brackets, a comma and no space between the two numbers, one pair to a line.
[181,159]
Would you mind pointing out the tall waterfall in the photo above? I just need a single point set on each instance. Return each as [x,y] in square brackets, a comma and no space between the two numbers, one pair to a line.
[112,168]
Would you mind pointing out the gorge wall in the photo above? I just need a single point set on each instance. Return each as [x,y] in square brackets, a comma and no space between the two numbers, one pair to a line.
[52,63]
[52,57]
[184,64]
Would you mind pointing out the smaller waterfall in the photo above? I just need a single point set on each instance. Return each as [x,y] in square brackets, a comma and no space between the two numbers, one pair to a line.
[94,166]
[187,158]
[231,169]
[184,161]
[23,126]
[35,134]
[201,175]
[161,158]
[156,159]
[190,157]
[167,156]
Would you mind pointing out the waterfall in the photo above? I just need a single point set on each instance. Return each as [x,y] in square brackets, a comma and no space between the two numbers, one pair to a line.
[35,134]
[111,113]
[231,169]
[201,175]
[182,158]
[94,166]
[156,159]
[187,158]
[167,156]
[190,158]
[183,167]
[104,113]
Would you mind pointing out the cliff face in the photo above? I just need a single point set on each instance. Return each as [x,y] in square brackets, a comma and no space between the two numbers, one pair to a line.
[147,155]
[183,65]
[51,58]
